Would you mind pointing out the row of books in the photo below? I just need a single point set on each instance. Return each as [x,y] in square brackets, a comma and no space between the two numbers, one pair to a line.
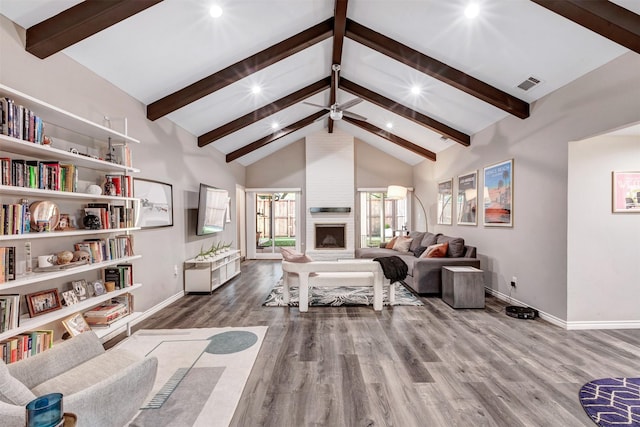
[121,275]
[40,174]
[9,311]
[25,345]
[122,185]
[13,219]
[7,263]
[20,122]
[107,249]
[111,216]
[107,313]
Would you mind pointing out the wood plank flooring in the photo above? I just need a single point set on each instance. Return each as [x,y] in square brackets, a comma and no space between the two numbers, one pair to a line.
[404,366]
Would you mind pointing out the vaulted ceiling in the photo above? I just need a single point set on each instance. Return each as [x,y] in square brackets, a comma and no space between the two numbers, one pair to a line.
[199,72]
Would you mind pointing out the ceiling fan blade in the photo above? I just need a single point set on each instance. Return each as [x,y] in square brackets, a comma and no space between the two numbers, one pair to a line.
[316,105]
[354,115]
[350,104]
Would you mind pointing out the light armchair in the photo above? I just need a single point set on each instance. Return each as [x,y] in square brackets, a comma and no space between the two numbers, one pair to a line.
[102,388]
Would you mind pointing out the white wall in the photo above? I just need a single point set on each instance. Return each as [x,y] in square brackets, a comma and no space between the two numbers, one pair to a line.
[167,153]
[604,247]
[535,249]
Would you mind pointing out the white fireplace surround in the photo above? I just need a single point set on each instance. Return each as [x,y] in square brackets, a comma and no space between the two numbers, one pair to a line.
[330,182]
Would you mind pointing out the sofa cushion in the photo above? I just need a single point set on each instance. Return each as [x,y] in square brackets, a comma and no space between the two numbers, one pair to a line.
[429,239]
[402,244]
[439,250]
[294,256]
[456,245]
[417,238]
[11,390]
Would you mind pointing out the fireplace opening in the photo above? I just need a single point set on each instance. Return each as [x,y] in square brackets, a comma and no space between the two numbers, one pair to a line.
[330,236]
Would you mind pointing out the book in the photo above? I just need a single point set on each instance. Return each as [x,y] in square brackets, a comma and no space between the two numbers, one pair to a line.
[113,274]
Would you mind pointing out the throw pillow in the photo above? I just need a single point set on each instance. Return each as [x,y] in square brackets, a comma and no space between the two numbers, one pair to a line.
[417,238]
[402,244]
[456,245]
[429,239]
[11,390]
[419,251]
[391,243]
[438,250]
[294,256]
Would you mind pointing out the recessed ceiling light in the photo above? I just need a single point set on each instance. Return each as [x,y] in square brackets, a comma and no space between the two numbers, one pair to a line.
[256,89]
[215,11]
[416,90]
[472,10]
[389,125]
[275,125]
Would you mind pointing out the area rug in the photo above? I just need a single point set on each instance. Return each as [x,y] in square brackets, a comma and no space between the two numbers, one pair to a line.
[201,373]
[612,401]
[338,296]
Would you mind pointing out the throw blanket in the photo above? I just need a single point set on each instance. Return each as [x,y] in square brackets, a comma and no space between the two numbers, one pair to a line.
[394,268]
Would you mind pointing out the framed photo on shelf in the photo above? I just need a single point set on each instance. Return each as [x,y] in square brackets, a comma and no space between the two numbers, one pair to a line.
[98,287]
[445,202]
[81,289]
[467,209]
[70,297]
[76,324]
[156,203]
[43,302]
[625,194]
[498,194]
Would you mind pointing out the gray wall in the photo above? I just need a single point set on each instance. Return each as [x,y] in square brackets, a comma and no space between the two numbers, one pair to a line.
[167,153]
[604,247]
[282,169]
[375,168]
[535,249]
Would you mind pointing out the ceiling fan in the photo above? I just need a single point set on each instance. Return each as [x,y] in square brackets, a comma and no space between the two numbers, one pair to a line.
[336,111]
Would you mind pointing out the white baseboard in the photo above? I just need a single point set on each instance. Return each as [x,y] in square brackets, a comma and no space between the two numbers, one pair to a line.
[544,316]
[606,324]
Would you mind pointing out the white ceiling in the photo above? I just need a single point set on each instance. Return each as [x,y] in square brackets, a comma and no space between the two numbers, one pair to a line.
[175,43]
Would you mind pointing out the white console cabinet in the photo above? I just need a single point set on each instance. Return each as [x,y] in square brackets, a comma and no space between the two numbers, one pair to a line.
[207,275]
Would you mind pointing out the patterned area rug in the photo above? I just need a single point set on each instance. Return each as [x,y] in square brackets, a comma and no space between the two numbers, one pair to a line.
[337,296]
[612,401]
[201,373]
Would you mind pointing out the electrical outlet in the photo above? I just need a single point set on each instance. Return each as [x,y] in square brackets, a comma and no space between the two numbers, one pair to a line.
[514,281]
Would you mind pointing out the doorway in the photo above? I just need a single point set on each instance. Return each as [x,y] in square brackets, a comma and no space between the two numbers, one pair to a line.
[273,221]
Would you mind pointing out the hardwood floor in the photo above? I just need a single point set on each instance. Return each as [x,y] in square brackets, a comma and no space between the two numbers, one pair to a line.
[405,366]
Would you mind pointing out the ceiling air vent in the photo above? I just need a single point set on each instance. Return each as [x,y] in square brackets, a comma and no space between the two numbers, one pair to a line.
[529,83]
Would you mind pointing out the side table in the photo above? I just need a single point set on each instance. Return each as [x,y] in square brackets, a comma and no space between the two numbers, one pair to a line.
[462,287]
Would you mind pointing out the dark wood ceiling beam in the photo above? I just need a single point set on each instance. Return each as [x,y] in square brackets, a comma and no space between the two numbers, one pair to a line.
[240,70]
[264,112]
[436,69]
[339,28]
[406,112]
[603,17]
[391,137]
[243,151]
[79,22]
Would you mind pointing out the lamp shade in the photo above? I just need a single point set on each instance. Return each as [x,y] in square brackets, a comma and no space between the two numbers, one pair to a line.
[396,192]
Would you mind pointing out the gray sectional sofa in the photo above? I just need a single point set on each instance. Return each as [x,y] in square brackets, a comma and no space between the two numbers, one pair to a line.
[425,274]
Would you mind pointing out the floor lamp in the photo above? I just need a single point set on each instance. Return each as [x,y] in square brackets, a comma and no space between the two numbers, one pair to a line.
[398,192]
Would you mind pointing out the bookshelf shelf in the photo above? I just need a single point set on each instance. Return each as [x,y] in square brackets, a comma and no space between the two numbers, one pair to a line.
[50,275]
[33,323]
[54,234]
[79,136]
[117,325]
[51,194]
[54,115]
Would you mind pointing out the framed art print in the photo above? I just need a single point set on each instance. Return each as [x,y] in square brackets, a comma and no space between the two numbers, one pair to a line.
[467,206]
[445,202]
[75,324]
[43,302]
[625,195]
[498,194]
[156,203]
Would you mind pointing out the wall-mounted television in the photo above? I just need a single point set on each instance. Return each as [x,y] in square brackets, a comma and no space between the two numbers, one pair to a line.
[213,210]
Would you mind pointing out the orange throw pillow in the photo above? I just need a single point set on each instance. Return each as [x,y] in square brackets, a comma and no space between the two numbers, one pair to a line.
[391,243]
[436,251]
